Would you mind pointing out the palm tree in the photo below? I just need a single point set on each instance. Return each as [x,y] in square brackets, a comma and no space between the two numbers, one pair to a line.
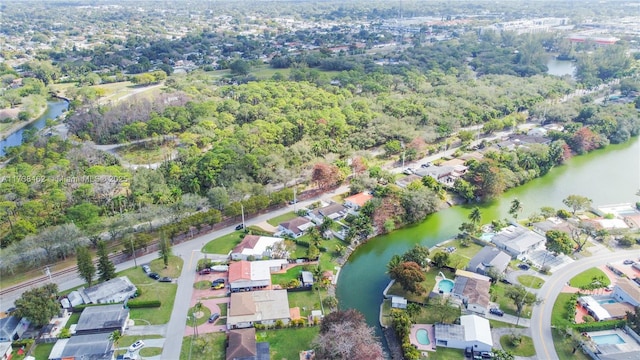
[516,207]
[115,336]
[475,216]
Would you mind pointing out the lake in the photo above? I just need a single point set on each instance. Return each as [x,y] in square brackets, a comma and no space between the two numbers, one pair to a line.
[606,176]
[54,109]
[561,67]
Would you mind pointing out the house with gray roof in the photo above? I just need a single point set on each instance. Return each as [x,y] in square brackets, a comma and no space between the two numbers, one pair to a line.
[517,240]
[102,319]
[473,332]
[12,328]
[489,258]
[89,347]
[295,227]
[332,211]
[113,291]
[257,307]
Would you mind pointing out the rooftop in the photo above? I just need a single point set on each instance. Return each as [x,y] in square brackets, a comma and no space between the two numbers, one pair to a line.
[258,306]
[106,290]
[359,199]
[102,318]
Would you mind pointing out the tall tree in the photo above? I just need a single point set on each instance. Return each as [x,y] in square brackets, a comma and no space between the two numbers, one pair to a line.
[440,259]
[576,202]
[115,336]
[558,242]
[86,268]
[418,254]
[106,269]
[409,275]
[515,209]
[38,305]
[165,249]
[475,216]
[345,335]
[521,297]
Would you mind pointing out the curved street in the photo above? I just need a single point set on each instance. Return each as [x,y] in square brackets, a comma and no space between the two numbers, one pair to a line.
[541,316]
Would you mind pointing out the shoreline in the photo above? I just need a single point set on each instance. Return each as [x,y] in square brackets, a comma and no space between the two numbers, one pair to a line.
[21,124]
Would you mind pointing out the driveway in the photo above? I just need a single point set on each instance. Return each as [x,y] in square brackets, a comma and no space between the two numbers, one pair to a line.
[146,330]
[541,317]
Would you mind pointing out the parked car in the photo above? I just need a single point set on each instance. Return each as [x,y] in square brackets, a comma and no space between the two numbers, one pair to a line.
[240,227]
[524,266]
[628,262]
[425,165]
[486,355]
[146,269]
[407,171]
[213,318]
[217,281]
[496,311]
[136,346]
[165,279]
[205,271]
[154,276]
[505,281]
[217,286]
[293,202]
[451,249]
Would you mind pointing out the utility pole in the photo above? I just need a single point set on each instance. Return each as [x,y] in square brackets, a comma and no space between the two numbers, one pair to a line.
[133,250]
[242,210]
[294,199]
[403,151]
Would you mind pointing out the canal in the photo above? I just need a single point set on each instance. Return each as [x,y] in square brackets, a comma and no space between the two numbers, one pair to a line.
[607,176]
[54,109]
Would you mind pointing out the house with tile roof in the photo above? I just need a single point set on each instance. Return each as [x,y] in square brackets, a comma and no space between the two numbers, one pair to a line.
[355,202]
[473,290]
[253,275]
[259,247]
[257,307]
[242,345]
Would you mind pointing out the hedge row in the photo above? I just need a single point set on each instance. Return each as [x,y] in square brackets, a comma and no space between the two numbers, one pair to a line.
[600,325]
[139,304]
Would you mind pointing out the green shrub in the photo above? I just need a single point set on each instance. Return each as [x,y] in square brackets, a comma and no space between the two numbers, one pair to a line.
[138,304]
[600,325]
[22,342]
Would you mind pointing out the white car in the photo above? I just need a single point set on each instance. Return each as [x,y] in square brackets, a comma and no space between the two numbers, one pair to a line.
[136,346]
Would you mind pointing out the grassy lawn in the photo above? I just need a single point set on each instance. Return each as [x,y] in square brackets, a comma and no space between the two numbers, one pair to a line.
[586,277]
[559,314]
[306,300]
[223,244]
[286,344]
[141,154]
[150,351]
[431,315]
[284,217]
[530,281]
[427,284]
[495,324]
[153,290]
[202,316]
[223,309]
[214,347]
[73,319]
[565,349]
[524,349]
[202,285]
[291,274]
[446,354]
[42,351]
[507,305]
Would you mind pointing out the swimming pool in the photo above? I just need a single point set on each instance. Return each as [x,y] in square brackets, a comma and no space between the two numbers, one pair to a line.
[445,286]
[487,236]
[606,301]
[423,337]
[609,339]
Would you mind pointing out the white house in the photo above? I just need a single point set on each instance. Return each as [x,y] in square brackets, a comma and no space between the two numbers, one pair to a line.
[518,241]
[473,332]
[259,247]
[626,290]
[295,227]
[258,307]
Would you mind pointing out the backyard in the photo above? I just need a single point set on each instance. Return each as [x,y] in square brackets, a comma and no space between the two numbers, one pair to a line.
[207,347]
[427,284]
[287,343]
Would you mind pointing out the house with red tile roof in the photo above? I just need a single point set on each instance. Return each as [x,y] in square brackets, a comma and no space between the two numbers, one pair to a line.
[355,202]
[253,275]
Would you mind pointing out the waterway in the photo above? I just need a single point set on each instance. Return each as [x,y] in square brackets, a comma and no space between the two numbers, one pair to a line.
[54,109]
[561,67]
[606,176]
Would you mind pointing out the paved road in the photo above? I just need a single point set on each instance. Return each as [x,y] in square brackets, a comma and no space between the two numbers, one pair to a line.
[541,317]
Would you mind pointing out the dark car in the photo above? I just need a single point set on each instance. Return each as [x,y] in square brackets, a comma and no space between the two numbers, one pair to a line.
[425,165]
[165,279]
[628,262]
[293,202]
[213,317]
[505,281]
[217,281]
[524,266]
[154,276]
[496,311]
[240,227]
[205,271]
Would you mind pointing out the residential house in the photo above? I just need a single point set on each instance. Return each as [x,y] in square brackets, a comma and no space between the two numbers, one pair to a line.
[12,328]
[403,182]
[605,310]
[242,345]
[5,350]
[258,247]
[295,227]
[626,290]
[473,332]
[93,347]
[333,212]
[537,132]
[113,291]
[257,307]
[552,223]
[473,290]
[253,275]
[446,175]
[518,241]
[102,319]
[489,258]
[355,202]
